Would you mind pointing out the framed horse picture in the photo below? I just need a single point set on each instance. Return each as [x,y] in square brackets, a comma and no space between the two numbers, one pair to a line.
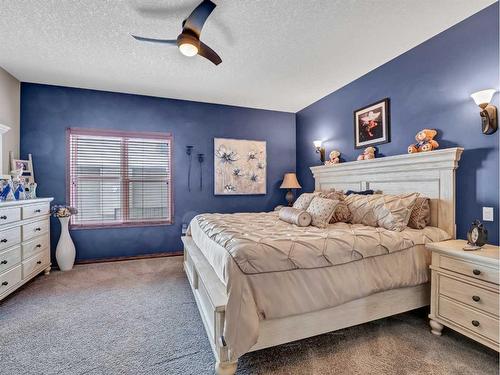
[372,124]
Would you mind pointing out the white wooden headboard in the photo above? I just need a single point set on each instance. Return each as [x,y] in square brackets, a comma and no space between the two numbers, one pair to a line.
[432,174]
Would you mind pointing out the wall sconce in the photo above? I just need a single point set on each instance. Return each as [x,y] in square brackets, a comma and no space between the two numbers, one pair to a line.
[489,118]
[320,150]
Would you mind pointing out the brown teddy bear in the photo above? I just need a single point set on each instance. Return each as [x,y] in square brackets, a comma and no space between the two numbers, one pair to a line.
[425,141]
[334,158]
[368,153]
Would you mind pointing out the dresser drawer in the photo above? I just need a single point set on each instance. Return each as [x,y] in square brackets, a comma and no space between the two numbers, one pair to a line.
[471,319]
[35,246]
[470,269]
[35,229]
[33,210]
[471,295]
[10,279]
[9,215]
[10,258]
[10,237]
[37,263]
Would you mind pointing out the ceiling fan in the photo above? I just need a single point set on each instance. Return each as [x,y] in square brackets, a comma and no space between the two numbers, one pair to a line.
[188,41]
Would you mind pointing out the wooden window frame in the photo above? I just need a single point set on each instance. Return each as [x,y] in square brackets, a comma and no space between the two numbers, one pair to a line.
[125,182]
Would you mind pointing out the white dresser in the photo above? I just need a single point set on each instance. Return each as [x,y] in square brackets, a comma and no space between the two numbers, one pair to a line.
[465,291]
[24,242]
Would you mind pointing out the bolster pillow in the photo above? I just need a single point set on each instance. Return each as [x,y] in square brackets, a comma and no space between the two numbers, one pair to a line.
[295,216]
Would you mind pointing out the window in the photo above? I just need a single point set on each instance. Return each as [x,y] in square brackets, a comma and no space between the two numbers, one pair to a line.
[119,178]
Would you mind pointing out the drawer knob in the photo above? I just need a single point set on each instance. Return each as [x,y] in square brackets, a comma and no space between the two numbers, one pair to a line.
[4,262]
[38,229]
[475,323]
[5,283]
[39,262]
[4,240]
[476,272]
[3,217]
[38,211]
[476,298]
[38,245]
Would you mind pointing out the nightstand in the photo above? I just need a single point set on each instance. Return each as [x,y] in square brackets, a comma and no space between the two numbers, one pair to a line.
[465,291]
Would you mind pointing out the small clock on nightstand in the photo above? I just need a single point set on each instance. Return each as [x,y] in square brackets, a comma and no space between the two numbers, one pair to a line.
[465,290]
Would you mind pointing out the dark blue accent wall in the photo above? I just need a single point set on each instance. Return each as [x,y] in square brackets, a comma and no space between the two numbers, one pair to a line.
[429,87]
[46,112]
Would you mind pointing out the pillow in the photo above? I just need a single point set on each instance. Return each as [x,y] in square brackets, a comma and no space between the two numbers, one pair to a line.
[362,192]
[321,210]
[292,215]
[332,194]
[383,210]
[304,200]
[341,214]
[420,215]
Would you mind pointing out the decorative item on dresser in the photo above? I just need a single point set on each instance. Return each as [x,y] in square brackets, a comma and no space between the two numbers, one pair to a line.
[290,182]
[465,291]
[24,242]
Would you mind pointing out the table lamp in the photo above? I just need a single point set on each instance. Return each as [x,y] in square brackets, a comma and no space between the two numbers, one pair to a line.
[290,182]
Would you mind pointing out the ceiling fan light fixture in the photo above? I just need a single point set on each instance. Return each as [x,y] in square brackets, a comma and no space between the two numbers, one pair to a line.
[188,49]
[188,44]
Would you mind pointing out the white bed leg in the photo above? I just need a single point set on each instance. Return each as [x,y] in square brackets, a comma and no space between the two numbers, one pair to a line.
[225,368]
[436,327]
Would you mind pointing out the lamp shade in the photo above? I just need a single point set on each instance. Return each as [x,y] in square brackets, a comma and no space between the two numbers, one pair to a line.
[483,97]
[290,182]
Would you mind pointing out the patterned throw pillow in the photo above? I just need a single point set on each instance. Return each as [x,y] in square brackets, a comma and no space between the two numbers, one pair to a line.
[332,194]
[321,210]
[382,210]
[304,200]
[420,215]
[341,214]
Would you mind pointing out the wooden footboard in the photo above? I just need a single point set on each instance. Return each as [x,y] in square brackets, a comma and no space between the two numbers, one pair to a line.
[211,298]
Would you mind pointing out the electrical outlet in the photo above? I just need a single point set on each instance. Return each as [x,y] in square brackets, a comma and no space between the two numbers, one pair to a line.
[487,213]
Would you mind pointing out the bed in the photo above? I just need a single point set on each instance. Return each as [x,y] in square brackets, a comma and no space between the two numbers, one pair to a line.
[259,282]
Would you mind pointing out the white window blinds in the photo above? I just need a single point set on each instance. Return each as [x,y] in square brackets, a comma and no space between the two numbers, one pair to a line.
[118,178]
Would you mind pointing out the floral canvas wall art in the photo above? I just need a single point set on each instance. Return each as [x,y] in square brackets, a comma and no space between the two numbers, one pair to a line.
[239,166]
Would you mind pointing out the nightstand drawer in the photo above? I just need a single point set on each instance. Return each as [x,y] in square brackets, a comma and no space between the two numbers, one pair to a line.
[470,269]
[470,319]
[471,295]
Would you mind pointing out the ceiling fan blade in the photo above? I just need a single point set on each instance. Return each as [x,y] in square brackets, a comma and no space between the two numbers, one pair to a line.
[209,53]
[198,16]
[152,40]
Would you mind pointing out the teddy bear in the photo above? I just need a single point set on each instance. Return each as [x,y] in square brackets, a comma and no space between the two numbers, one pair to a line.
[368,153]
[334,158]
[425,141]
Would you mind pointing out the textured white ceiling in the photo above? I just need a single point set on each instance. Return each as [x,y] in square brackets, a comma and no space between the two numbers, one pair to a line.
[277,54]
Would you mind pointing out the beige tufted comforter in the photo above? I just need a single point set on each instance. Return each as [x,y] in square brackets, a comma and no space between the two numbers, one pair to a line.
[273,269]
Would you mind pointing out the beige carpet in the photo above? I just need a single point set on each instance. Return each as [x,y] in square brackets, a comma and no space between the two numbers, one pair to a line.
[139,317]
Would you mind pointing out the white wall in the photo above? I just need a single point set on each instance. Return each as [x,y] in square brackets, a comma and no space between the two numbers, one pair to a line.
[10,94]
